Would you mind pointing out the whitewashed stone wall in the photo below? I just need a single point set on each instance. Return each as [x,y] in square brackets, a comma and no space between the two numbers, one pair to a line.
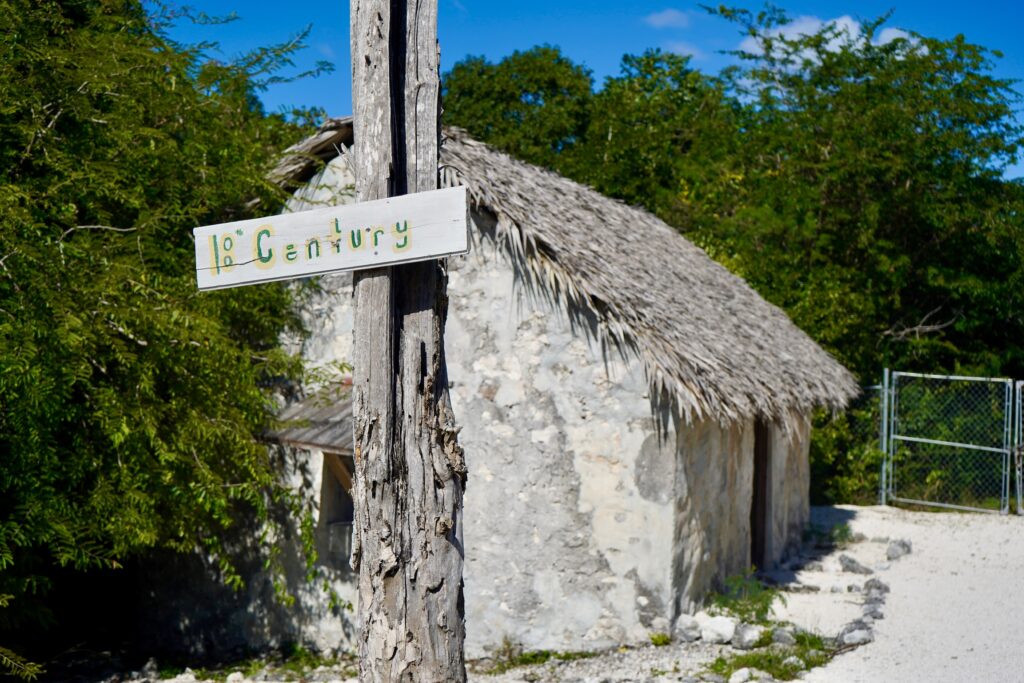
[713,486]
[584,528]
[569,501]
[789,486]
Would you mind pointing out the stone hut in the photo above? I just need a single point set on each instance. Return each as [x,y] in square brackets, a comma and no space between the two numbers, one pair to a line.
[635,418]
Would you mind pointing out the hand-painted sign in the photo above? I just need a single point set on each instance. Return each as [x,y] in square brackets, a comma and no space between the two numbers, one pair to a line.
[413,227]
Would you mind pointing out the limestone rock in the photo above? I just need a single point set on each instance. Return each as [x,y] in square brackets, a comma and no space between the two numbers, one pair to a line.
[740,676]
[798,587]
[858,637]
[849,564]
[716,629]
[746,636]
[794,662]
[873,610]
[876,584]
[151,669]
[856,633]
[898,549]
[783,636]
[686,630]
[235,677]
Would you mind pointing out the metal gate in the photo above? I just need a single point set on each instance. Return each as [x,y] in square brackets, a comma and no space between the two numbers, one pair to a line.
[949,441]
[1018,441]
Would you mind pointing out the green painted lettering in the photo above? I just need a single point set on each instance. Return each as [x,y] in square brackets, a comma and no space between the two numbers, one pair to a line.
[401,230]
[310,244]
[263,256]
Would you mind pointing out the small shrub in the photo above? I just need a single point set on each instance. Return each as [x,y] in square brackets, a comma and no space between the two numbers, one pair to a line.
[660,639]
[812,650]
[746,598]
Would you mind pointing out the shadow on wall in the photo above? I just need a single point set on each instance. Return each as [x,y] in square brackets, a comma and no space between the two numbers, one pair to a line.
[185,609]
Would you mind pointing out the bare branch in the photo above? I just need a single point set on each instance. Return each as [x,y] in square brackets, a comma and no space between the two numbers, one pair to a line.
[900,332]
[93,227]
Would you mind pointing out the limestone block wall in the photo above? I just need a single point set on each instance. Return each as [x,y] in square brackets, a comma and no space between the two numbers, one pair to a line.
[789,486]
[713,487]
[568,507]
[713,492]
[569,502]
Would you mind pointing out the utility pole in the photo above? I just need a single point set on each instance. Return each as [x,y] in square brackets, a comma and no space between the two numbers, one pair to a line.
[410,470]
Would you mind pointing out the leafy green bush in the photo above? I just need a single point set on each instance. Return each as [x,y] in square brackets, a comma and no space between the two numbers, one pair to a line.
[129,402]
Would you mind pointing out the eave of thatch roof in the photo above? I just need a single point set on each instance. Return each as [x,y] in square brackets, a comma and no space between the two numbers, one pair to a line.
[708,342]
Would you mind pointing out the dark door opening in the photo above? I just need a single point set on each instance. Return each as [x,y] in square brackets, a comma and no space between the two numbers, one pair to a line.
[759,508]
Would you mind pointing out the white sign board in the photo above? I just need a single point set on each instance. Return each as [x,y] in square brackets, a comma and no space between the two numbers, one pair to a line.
[413,227]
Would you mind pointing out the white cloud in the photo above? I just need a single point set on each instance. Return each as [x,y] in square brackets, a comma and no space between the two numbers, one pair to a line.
[890,34]
[681,47]
[326,50]
[669,18]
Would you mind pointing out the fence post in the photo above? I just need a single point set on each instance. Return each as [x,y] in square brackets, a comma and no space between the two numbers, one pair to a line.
[1018,442]
[883,437]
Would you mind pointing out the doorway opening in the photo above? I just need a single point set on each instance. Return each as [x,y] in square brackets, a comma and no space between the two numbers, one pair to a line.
[760,510]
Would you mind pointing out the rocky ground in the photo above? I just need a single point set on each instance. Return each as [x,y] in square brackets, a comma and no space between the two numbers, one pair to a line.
[833,597]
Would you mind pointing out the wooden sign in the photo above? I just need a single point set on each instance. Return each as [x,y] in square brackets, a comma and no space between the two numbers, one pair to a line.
[413,227]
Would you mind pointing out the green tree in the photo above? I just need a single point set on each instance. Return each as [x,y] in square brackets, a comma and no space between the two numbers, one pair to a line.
[129,402]
[661,134]
[872,206]
[531,104]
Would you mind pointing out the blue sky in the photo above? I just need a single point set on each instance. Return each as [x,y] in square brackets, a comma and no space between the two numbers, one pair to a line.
[593,32]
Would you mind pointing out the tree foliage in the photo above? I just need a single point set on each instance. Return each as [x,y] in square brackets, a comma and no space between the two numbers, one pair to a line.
[129,402]
[873,207]
[532,104]
[853,181]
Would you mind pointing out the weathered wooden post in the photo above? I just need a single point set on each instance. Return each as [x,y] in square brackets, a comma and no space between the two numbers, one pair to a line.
[410,471]
[409,467]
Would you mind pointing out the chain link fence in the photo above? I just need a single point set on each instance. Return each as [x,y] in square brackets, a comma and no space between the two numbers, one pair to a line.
[948,441]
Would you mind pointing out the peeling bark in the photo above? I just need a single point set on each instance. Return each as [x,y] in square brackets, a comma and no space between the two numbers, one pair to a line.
[410,470]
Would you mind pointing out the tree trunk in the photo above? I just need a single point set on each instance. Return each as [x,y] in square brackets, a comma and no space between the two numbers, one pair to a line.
[410,471]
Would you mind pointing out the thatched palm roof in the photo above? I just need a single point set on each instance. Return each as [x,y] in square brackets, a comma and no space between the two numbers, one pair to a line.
[707,340]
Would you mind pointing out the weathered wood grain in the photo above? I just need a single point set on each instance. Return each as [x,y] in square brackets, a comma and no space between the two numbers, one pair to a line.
[410,472]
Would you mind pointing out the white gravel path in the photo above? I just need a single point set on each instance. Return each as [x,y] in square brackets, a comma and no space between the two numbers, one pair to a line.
[957,604]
